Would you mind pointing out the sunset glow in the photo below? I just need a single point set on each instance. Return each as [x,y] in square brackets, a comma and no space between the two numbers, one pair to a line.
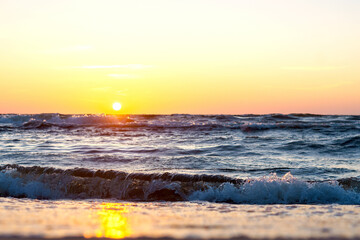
[224,57]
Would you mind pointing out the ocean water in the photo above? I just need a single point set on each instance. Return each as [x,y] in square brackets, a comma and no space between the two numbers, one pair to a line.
[231,162]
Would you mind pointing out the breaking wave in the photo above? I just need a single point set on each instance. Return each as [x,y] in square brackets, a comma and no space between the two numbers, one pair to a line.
[81,183]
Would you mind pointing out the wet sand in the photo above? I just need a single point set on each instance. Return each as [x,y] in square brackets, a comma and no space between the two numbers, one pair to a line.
[168,238]
[79,219]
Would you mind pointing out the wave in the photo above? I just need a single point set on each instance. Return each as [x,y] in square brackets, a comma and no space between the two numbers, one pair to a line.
[349,142]
[244,123]
[301,145]
[80,183]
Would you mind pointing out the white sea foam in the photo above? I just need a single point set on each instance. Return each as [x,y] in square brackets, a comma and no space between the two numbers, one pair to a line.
[275,190]
[15,186]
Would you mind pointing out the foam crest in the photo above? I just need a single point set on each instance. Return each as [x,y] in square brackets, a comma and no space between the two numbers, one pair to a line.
[13,185]
[275,190]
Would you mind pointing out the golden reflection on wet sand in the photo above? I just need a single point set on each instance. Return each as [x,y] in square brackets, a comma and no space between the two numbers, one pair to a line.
[113,221]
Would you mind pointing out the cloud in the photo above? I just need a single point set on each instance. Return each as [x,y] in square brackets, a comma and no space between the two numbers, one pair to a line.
[121,75]
[312,68]
[110,90]
[126,66]
[121,92]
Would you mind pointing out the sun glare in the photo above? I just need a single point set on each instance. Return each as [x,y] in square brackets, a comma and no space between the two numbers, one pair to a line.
[116,106]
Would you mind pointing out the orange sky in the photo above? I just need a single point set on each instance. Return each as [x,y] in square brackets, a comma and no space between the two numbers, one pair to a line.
[166,56]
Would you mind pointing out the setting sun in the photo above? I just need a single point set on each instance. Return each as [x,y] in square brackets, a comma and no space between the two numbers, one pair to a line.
[116,106]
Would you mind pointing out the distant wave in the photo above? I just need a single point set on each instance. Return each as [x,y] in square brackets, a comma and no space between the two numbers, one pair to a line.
[245,123]
[79,183]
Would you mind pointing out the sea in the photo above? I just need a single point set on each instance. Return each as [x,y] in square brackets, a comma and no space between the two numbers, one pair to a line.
[180,176]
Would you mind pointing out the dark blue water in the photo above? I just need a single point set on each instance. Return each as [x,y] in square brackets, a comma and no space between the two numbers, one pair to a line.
[180,157]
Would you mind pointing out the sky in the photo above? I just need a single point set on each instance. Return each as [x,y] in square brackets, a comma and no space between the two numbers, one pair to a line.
[184,56]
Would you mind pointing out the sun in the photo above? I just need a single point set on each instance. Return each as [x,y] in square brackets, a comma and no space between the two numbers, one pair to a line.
[116,106]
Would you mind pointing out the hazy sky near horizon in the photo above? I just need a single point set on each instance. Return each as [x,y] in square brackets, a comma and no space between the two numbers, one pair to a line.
[186,56]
